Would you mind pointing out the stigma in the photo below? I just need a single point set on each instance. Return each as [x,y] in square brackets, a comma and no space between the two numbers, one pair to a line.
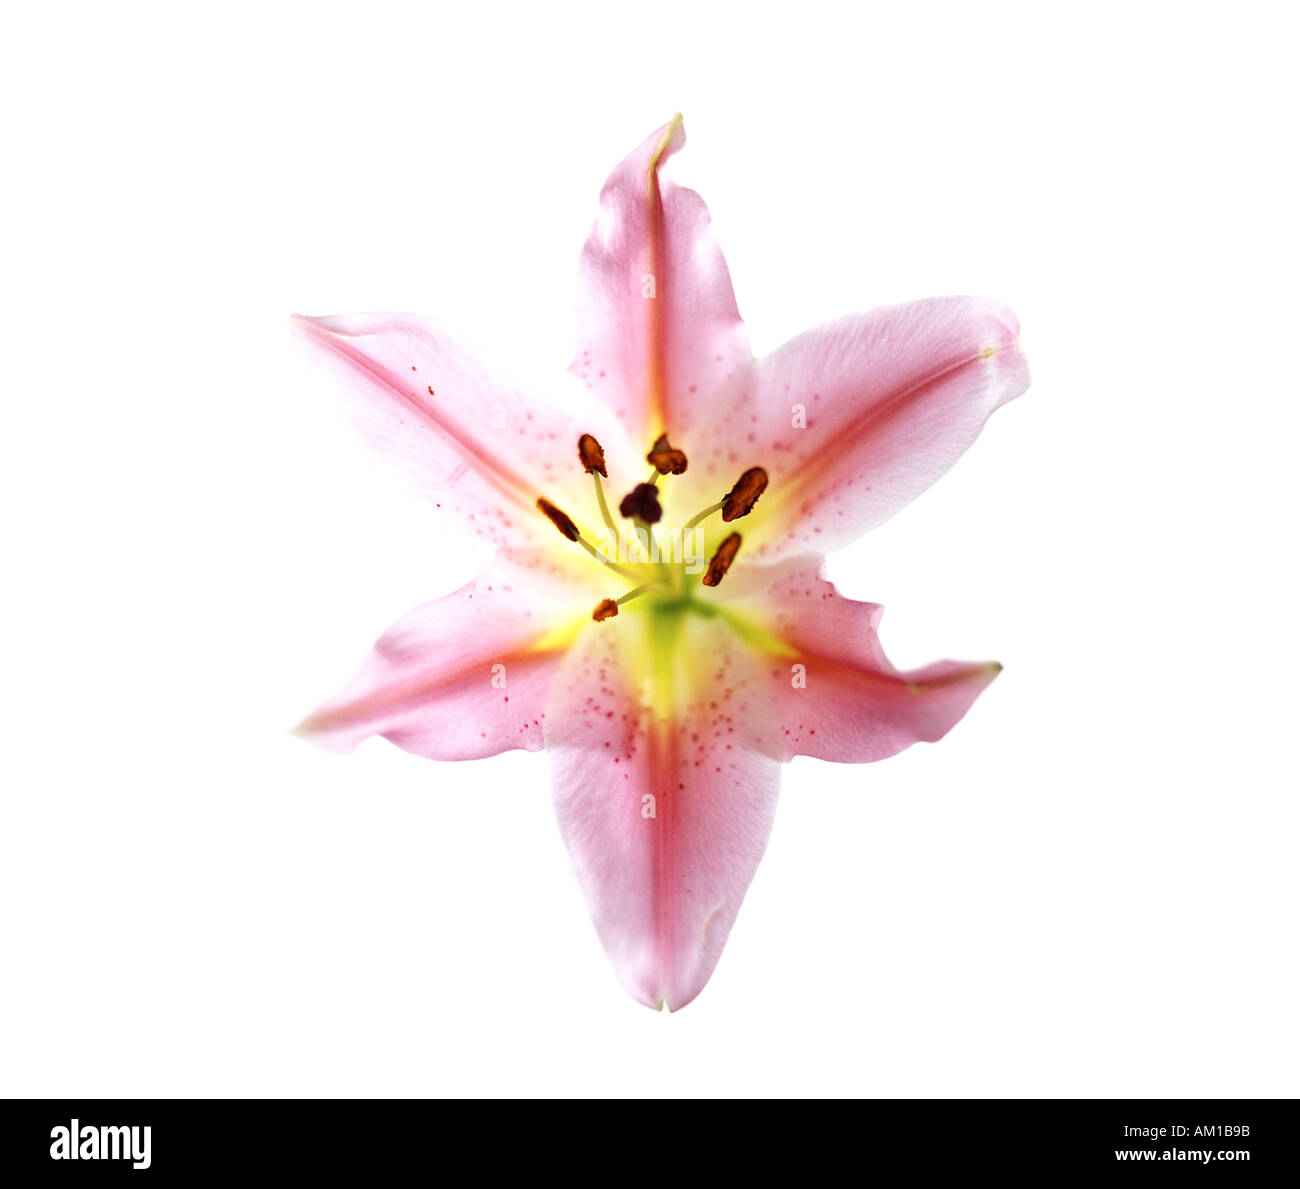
[642,503]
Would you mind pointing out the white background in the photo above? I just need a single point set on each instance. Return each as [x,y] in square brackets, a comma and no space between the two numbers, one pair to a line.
[1088,888]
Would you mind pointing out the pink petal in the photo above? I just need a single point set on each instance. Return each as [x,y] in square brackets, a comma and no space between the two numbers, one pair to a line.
[655,360]
[480,449]
[460,678]
[890,399]
[663,891]
[835,694]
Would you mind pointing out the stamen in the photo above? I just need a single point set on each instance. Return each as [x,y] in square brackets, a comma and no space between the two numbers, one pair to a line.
[604,507]
[637,593]
[721,561]
[740,500]
[664,459]
[591,455]
[570,530]
[642,503]
[709,511]
[558,518]
[604,561]
[608,608]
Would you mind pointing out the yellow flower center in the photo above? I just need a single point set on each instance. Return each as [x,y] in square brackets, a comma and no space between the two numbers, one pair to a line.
[639,540]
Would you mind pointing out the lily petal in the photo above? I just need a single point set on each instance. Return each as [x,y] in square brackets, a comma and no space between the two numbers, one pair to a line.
[478,448]
[856,418]
[460,678]
[660,334]
[835,694]
[663,792]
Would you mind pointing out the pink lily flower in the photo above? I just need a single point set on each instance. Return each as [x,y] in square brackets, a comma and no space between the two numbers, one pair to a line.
[669,689]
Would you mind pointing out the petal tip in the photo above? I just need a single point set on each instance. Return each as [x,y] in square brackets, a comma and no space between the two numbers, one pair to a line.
[668,140]
[304,730]
[314,325]
[315,730]
[315,330]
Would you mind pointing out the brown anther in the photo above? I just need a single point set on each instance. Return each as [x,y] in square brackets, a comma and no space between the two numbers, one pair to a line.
[740,500]
[591,454]
[642,502]
[664,458]
[605,609]
[721,561]
[558,518]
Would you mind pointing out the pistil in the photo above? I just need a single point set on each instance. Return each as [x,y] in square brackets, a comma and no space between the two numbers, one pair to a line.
[642,503]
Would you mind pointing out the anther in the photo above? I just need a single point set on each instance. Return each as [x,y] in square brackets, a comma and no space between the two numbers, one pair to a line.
[664,458]
[558,518]
[608,608]
[740,500]
[642,503]
[721,561]
[591,455]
